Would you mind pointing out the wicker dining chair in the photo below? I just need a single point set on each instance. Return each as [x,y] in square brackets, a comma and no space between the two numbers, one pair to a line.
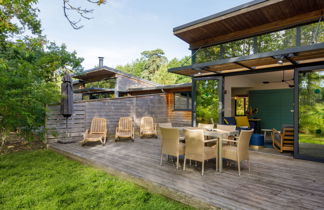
[170,143]
[147,127]
[239,150]
[125,129]
[205,126]
[98,131]
[195,148]
[226,127]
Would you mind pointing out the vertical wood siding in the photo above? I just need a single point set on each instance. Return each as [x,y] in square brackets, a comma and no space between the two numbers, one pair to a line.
[158,106]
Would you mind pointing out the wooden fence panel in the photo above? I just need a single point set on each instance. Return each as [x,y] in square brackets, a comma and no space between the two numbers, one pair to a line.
[154,105]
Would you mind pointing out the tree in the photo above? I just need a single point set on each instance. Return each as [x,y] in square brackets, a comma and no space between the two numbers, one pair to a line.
[153,65]
[30,69]
[82,13]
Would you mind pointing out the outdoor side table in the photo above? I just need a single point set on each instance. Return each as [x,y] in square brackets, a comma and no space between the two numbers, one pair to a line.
[266,132]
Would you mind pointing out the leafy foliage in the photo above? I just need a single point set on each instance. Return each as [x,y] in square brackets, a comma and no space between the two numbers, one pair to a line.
[207,105]
[30,69]
[153,65]
[311,106]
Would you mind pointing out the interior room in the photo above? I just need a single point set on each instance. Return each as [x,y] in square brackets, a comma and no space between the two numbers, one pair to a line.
[267,98]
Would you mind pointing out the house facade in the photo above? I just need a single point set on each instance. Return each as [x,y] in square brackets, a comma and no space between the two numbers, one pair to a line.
[263,59]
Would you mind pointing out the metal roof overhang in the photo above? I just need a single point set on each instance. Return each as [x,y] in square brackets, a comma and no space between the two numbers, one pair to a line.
[292,57]
[247,20]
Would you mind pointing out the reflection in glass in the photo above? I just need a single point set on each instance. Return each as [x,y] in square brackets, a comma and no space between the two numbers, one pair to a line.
[182,101]
[207,101]
[311,113]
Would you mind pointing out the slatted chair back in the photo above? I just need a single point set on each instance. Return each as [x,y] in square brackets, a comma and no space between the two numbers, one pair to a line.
[288,135]
[125,124]
[147,123]
[98,125]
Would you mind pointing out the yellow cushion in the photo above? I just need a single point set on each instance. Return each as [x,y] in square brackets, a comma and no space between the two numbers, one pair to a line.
[242,121]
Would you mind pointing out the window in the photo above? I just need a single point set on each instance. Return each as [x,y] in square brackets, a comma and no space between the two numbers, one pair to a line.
[182,101]
[106,83]
[241,105]
[91,96]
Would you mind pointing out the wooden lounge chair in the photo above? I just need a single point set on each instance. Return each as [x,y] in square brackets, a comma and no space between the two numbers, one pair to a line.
[170,144]
[147,127]
[98,131]
[195,148]
[125,129]
[205,126]
[239,150]
[283,141]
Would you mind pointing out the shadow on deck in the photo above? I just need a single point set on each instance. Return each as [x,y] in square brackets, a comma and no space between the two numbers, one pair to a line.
[275,182]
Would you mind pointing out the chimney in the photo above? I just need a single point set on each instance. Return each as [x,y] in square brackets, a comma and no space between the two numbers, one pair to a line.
[101,61]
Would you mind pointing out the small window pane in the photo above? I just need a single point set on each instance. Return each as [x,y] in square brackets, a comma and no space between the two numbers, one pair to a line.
[182,101]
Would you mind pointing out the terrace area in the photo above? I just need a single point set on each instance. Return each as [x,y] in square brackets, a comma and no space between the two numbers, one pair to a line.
[275,181]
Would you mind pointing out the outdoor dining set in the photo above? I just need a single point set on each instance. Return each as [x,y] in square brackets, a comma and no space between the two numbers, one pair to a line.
[200,144]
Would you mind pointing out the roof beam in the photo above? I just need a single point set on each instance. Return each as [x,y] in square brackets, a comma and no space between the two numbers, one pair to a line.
[245,66]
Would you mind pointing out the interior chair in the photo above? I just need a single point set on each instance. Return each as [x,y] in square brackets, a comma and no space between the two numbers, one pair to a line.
[170,143]
[98,131]
[283,141]
[125,129]
[147,127]
[196,149]
[239,150]
[205,126]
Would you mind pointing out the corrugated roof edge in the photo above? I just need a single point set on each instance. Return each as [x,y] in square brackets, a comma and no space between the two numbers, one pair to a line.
[117,72]
[219,14]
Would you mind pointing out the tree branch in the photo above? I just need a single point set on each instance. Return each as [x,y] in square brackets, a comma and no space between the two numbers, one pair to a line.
[83,13]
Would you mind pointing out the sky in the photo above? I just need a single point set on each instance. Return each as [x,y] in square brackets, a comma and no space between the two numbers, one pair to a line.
[121,29]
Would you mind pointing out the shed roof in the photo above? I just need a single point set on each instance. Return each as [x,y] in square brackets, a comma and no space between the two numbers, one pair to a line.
[250,19]
[100,72]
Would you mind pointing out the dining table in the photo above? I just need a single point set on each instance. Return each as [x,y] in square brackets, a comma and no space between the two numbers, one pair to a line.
[215,133]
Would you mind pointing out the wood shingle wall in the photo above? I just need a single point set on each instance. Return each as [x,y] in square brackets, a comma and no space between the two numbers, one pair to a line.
[155,105]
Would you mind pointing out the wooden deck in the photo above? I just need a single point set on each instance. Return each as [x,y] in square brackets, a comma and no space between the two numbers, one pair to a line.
[275,182]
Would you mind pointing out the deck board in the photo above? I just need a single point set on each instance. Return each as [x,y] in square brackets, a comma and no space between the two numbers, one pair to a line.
[275,182]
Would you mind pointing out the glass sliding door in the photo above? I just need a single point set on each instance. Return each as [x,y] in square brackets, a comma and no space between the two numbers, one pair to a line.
[309,98]
[208,100]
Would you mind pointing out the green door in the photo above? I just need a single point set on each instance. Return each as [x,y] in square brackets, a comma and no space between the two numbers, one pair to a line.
[274,107]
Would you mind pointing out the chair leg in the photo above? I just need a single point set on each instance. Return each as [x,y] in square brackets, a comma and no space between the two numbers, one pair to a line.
[190,162]
[249,165]
[184,163]
[161,158]
[202,167]
[177,162]
[239,167]
[217,166]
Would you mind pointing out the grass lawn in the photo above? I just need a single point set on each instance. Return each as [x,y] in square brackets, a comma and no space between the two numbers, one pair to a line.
[42,179]
[311,139]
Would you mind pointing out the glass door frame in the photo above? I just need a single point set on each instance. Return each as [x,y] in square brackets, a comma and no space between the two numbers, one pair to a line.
[296,112]
[194,97]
